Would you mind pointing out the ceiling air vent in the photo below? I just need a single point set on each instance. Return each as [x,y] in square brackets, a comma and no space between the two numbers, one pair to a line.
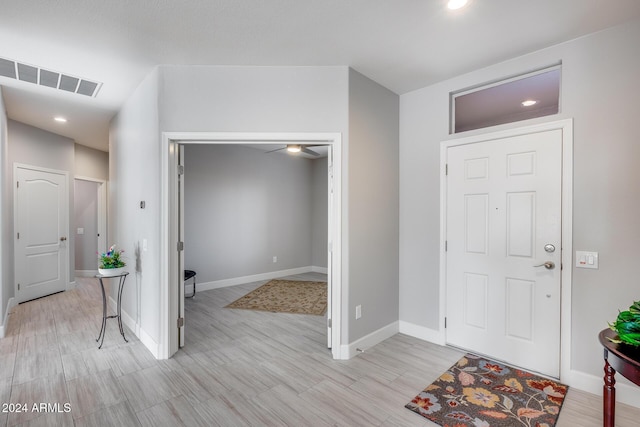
[48,78]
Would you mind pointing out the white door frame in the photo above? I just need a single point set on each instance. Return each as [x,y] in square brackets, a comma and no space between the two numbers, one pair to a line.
[102,212]
[168,342]
[567,225]
[65,247]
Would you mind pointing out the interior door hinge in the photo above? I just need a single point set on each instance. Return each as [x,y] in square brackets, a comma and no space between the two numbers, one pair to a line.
[446,245]
[180,246]
[445,323]
[180,322]
[328,323]
[18,286]
[17,184]
[446,169]
[180,169]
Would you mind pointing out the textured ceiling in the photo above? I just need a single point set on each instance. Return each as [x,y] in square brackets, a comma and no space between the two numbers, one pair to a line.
[402,44]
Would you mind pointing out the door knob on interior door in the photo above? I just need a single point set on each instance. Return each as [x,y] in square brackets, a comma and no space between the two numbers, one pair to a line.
[62,239]
[549,265]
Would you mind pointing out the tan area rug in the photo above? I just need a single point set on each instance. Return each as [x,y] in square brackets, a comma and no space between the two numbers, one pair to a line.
[286,296]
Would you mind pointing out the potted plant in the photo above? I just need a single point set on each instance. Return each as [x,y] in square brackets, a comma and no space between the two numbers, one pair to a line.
[111,263]
[627,325]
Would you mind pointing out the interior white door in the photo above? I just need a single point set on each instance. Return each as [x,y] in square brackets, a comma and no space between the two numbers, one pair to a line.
[181,328]
[504,249]
[41,226]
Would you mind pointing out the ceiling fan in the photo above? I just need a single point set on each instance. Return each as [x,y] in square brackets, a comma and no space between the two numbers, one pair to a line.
[298,148]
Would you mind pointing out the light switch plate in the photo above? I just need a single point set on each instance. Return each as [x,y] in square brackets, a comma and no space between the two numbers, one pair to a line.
[586,259]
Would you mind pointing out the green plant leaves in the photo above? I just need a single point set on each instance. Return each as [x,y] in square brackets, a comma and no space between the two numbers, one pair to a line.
[627,325]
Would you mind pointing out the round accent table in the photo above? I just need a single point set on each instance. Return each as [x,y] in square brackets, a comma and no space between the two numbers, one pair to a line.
[122,276]
[621,358]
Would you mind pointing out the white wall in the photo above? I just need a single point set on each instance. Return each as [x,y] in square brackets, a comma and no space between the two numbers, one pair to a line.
[6,218]
[242,207]
[373,205]
[134,176]
[254,99]
[599,73]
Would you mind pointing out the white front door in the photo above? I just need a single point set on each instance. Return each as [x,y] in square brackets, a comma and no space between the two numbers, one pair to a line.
[503,223]
[41,229]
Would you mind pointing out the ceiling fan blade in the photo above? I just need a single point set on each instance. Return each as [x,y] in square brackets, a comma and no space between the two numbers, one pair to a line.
[310,152]
[277,149]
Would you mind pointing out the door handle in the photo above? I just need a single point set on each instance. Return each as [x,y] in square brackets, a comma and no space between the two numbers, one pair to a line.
[62,239]
[549,265]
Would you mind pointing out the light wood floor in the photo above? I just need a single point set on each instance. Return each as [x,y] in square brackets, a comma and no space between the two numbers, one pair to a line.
[239,368]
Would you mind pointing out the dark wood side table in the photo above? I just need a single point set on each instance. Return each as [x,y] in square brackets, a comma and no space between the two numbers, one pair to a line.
[621,358]
[121,278]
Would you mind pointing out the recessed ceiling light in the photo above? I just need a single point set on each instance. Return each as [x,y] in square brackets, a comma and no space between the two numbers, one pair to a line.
[60,119]
[456,4]
[529,103]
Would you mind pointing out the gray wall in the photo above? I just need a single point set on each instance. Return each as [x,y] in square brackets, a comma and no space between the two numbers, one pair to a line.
[91,163]
[242,207]
[319,212]
[85,217]
[599,73]
[373,205]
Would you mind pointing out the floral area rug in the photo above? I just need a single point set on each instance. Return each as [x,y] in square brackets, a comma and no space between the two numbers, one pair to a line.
[286,296]
[479,392]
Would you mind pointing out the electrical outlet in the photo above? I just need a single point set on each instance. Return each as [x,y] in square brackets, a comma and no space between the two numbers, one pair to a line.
[275,259]
[358,311]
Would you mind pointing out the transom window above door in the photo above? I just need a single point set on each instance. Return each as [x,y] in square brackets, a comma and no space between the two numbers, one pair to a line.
[530,95]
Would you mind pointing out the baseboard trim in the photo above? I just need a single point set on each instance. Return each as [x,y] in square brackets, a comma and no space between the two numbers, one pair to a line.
[86,273]
[5,322]
[217,284]
[316,269]
[142,335]
[422,332]
[626,392]
[376,337]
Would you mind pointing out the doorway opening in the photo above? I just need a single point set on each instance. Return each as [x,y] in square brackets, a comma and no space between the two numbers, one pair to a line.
[172,275]
[252,213]
[90,223]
